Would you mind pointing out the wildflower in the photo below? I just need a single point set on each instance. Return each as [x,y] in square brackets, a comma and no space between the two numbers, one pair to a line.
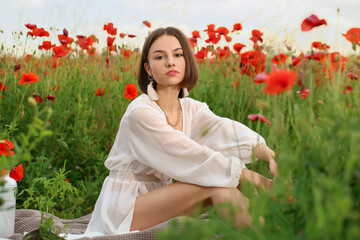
[130,91]
[260,78]
[237,27]
[256,117]
[28,78]
[110,41]
[6,147]
[17,67]
[60,51]
[147,24]
[320,45]
[46,45]
[295,61]
[64,39]
[303,93]
[256,36]
[3,87]
[350,75]
[353,35]
[38,32]
[311,22]
[50,97]
[238,46]
[85,42]
[99,92]
[279,81]
[132,36]
[201,54]
[252,62]
[110,29]
[17,173]
[122,35]
[279,59]
[30,26]
[348,89]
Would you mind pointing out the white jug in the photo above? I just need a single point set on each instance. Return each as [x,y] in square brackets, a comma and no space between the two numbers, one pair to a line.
[7,209]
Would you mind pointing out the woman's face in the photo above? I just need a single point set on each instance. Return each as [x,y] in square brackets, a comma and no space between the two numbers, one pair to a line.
[166,63]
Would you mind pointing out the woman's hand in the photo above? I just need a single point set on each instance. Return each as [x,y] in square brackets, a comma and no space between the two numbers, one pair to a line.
[265,153]
[256,179]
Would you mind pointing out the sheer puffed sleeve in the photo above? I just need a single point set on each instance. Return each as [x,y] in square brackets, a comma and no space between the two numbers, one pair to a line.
[229,137]
[157,145]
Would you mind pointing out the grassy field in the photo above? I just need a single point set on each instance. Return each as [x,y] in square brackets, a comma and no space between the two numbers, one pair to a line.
[64,139]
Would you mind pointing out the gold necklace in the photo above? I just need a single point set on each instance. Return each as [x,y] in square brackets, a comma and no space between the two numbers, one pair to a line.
[167,119]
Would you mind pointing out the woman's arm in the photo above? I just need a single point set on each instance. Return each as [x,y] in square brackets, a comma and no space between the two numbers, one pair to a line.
[263,152]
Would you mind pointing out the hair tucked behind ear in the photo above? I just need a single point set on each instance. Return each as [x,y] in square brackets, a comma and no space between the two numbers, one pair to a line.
[191,71]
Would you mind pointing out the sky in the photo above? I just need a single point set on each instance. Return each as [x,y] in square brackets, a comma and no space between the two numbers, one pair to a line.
[280,20]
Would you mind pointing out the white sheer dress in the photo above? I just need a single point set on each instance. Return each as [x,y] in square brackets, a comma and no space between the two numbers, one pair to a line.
[148,153]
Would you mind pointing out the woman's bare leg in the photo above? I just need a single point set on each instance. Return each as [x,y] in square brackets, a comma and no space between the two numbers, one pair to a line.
[182,199]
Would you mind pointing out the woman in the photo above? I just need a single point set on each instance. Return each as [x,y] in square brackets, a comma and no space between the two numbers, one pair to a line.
[164,136]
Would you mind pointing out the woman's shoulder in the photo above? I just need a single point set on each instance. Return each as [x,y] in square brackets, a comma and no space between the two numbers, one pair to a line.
[141,105]
[193,105]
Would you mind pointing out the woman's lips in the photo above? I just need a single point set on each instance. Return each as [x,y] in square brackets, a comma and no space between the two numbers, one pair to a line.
[172,73]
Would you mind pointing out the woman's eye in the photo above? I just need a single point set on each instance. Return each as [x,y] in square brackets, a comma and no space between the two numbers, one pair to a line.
[159,57]
[179,55]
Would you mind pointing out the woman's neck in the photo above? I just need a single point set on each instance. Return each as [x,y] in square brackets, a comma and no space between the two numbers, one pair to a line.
[169,99]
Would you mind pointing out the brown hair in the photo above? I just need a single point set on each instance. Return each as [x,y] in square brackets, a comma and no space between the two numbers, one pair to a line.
[191,71]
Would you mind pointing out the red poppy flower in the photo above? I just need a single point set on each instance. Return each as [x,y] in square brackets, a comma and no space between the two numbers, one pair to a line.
[213,38]
[37,98]
[348,89]
[237,27]
[6,147]
[260,78]
[319,56]
[110,41]
[38,32]
[295,61]
[195,34]
[85,42]
[99,92]
[201,54]
[46,45]
[353,35]
[60,51]
[91,51]
[235,83]
[110,29]
[350,75]
[147,24]
[222,31]
[279,81]
[131,36]
[303,93]
[3,87]
[238,46]
[3,172]
[65,39]
[30,26]
[130,91]
[279,59]
[256,117]
[211,28]
[28,78]
[256,36]
[122,35]
[125,53]
[311,22]
[320,45]
[17,173]
[193,41]
[17,67]
[65,32]
[50,97]
[252,62]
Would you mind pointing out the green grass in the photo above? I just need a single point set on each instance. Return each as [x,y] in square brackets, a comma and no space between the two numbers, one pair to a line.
[316,140]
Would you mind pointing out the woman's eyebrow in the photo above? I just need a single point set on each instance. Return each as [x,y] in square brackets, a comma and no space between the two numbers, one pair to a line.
[162,51]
